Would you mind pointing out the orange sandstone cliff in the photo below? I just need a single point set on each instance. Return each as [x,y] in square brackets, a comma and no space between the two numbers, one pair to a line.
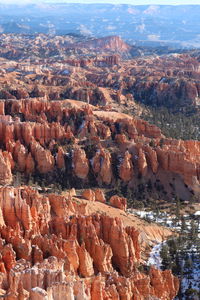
[86,142]
[52,247]
[71,162]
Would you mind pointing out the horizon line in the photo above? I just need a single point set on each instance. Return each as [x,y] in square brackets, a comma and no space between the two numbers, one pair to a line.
[26,2]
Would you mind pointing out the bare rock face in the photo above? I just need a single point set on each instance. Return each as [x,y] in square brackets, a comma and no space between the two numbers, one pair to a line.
[151,158]
[5,169]
[104,131]
[60,160]
[102,166]
[50,250]
[126,168]
[99,196]
[88,195]
[161,281]
[2,108]
[44,159]
[142,163]
[38,294]
[86,262]
[118,202]
[181,157]
[121,138]
[80,163]
[32,145]
[59,247]
[20,155]
[112,43]
[94,195]
[30,164]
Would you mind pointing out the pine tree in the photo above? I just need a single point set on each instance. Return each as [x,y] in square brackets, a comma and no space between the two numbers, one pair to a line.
[166,259]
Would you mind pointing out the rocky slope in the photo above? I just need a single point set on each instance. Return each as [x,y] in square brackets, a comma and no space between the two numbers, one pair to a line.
[53,248]
[111,43]
[63,126]
[94,71]
[41,137]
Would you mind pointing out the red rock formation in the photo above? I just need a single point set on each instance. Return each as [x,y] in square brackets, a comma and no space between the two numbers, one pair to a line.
[60,160]
[118,202]
[41,137]
[20,154]
[86,262]
[88,195]
[30,164]
[126,168]
[96,195]
[99,196]
[80,163]
[142,163]
[50,246]
[5,169]
[2,108]
[67,252]
[111,43]
[161,281]
[152,159]
[44,159]
[102,166]
[121,138]
[181,158]
[104,131]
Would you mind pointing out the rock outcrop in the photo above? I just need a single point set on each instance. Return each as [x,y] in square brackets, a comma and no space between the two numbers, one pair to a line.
[126,168]
[102,166]
[5,168]
[60,159]
[50,249]
[142,163]
[111,43]
[118,202]
[94,195]
[100,144]
[80,163]
[99,196]
[44,159]
[64,127]
[89,195]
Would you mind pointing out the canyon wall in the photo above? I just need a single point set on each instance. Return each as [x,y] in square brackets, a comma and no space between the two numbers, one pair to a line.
[32,147]
[52,249]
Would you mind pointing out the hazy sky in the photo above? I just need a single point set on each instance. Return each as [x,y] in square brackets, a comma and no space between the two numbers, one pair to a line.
[133,2]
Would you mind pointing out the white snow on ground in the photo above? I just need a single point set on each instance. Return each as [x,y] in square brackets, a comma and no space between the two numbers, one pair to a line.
[154,258]
[163,218]
[197,213]
[191,278]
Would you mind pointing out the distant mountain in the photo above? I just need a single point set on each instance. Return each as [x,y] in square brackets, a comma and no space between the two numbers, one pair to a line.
[143,25]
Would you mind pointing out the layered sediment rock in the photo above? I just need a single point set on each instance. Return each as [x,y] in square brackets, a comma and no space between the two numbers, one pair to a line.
[118,202]
[44,159]
[126,168]
[113,43]
[141,148]
[52,246]
[99,196]
[94,195]
[60,160]
[80,163]
[142,163]
[5,168]
[49,250]
[88,195]
[102,166]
